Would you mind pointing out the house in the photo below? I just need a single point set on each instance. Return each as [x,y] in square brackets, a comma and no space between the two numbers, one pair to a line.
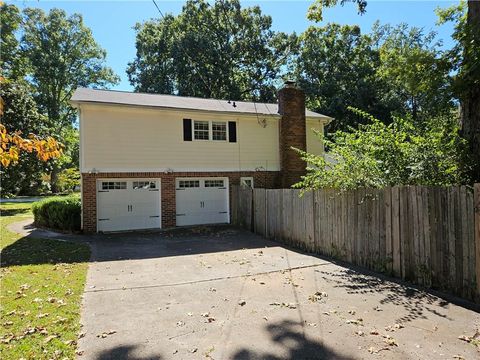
[158,161]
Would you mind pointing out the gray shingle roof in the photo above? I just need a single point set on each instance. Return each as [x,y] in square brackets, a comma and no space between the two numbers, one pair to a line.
[177,102]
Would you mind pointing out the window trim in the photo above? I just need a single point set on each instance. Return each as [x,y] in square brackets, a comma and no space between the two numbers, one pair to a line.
[210,131]
[243,178]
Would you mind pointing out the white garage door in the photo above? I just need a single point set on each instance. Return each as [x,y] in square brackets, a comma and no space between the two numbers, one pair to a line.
[128,204]
[202,201]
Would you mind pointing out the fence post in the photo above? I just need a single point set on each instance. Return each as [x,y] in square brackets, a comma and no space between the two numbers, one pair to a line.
[476,209]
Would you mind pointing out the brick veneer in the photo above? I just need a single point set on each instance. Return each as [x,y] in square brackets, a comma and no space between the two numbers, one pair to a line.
[291,105]
[262,179]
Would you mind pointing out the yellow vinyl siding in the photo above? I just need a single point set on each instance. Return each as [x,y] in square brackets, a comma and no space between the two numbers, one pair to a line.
[122,138]
[314,144]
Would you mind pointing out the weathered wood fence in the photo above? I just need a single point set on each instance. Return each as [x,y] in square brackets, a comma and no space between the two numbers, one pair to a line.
[426,235]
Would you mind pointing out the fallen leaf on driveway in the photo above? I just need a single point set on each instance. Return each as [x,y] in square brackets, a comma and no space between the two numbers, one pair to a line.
[358,321]
[317,296]
[106,333]
[180,323]
[373,332]
[205,314]
[194,350]
[390,341]
[242,302]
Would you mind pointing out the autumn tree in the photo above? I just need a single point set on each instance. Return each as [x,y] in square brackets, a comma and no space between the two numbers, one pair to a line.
[213,50]
[61,55]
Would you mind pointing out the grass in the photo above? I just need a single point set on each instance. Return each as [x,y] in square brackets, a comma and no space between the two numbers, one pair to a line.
[42,281]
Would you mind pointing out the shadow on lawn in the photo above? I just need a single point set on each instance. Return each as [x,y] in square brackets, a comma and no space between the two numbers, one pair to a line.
[289,334]
[13,212]
[35,251]
[123,353]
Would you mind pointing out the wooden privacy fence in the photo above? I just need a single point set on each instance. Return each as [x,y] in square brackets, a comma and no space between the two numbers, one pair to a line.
[426,235]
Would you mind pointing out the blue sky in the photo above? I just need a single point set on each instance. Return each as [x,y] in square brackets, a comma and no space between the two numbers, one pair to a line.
[112,21]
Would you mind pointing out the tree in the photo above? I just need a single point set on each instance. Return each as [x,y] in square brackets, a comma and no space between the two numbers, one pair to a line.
[337,67]
[61,55]
[379,155]
[465,57]
[315,12]
[417,75]
[10,21]
[214,50]
[21,170]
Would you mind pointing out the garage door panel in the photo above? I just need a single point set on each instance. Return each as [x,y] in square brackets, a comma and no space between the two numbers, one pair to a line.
[202,201]
[129,204]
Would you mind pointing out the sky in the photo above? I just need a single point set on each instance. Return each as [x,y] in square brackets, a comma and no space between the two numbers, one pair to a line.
[112,22]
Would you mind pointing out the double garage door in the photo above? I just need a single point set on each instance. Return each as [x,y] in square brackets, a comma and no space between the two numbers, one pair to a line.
[133,204]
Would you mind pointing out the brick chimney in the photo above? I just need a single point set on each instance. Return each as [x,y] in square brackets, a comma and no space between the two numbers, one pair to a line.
[291,106]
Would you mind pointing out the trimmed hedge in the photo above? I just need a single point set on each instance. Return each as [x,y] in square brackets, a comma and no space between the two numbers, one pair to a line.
[61,213]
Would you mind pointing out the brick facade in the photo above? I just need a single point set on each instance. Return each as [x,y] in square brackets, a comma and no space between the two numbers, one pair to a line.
[261,179]
[291,105]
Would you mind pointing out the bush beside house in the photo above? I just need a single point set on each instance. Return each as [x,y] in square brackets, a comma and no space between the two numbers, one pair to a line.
[61,213]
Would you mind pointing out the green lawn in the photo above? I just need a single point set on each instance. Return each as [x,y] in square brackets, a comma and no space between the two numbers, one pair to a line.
[42,282]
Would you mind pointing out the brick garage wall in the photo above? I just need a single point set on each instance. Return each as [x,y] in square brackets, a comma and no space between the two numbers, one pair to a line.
[261,179]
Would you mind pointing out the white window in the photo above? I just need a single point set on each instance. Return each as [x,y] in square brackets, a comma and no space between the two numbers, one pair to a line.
[143,185]
[214,183]
[114,185]
[219,131]
[201,130]
[246,181]
[210,130]
[182,184]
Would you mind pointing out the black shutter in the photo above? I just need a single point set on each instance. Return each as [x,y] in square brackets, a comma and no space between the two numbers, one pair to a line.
[187,129]
[232,131]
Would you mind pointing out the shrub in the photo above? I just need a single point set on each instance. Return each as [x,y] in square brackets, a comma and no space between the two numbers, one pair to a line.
[61,213]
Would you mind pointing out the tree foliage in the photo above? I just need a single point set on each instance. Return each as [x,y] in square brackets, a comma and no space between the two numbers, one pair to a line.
[380,155]
[217,50]
[21,170]
[61,55]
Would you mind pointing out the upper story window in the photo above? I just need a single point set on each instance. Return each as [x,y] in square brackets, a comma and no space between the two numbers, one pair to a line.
[209,130]
[201,130]
[219,130]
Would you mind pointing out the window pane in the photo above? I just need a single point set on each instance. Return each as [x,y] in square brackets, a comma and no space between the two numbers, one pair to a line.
[219,130]
[213,183]
[200,130]
[188,184]
[143,185]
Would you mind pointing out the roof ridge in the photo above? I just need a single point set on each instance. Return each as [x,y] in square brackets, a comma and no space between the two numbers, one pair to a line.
[173,95]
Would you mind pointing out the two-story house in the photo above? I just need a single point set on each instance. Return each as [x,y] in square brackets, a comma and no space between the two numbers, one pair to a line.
[155,161]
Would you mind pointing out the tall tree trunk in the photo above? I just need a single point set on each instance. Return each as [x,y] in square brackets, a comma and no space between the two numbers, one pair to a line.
[54,178]
[470,100]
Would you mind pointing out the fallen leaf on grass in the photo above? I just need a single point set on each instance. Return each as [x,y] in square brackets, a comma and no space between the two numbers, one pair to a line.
[49,338]
[42,315]
[70,342]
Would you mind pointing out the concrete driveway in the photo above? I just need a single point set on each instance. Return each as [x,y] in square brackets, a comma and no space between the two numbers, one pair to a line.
[223,293]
